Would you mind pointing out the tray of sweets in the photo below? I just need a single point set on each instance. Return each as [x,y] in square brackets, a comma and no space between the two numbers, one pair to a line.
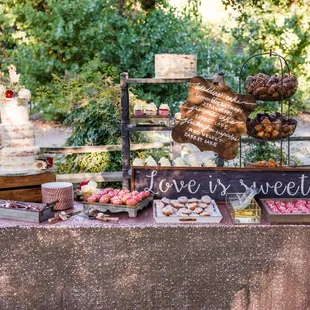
[26,211]
[210,214]
[287,210]
[115,208]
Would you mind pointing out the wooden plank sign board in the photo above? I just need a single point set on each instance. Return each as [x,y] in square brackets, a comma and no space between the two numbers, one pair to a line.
[174,182]
[213,118]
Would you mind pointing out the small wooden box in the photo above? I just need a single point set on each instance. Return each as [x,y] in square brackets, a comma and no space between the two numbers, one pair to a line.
[25,187]
[175,66]
[28,215]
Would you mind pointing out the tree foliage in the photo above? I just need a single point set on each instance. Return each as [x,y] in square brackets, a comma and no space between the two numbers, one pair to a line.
[282,26]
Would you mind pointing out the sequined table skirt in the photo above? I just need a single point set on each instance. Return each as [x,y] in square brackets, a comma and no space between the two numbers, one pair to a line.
[137,264]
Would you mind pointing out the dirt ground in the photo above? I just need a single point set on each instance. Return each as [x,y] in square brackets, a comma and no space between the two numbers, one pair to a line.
[55,135]
[51,134]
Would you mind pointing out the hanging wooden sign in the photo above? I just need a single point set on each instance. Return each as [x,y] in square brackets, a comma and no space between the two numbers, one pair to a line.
[213,118]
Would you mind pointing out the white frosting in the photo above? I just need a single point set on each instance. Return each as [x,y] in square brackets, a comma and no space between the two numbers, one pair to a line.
[138,107]
[18,153]
[138,162]
[18,143]
[151,107]
[179,162]
[164,162]
[150,161]
[194,163]
[13,113]
[164,106]
[207,162]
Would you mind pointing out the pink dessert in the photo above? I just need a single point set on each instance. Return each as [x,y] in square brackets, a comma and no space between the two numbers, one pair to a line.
[138,113]
[298,207]
[164,110]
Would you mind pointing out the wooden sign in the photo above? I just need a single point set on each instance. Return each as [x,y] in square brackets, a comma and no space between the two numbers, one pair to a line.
[174,182]
[213,118]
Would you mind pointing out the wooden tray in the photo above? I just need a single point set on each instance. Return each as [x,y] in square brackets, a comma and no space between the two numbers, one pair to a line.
[103,207]
[275,218]
[160,218]
[27,215]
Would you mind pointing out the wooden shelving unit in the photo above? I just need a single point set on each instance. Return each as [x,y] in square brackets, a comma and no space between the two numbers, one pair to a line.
[126,127]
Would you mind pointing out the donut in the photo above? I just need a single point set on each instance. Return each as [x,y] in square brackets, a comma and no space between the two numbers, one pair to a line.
[198,210]
[166,201]
[192,206]
[192,200]
[183,200]
[206,199]
[167,210]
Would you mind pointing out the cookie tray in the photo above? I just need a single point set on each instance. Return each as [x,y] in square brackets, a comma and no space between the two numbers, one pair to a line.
[160,218]
[103,207]
[276,218]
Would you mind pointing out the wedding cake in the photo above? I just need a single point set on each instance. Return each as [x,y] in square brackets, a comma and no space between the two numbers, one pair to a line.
[18,151]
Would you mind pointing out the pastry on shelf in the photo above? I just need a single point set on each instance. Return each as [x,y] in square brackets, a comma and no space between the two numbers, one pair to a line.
[271,163]
[207,162]
[138,110]
[271,88]
[164,162]
[164,110]
[150,161]
[151,109]
[138,162]
[274,126]
[179,162]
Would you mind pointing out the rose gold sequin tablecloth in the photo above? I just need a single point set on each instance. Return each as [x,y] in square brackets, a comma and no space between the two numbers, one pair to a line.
[138,264]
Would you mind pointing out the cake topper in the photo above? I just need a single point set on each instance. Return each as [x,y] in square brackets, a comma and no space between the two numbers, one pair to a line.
[11,88]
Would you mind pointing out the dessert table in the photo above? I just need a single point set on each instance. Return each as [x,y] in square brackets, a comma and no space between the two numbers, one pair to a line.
[138,264]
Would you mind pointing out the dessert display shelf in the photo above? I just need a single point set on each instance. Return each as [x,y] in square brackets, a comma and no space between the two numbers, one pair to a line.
[127,127]
[275,88]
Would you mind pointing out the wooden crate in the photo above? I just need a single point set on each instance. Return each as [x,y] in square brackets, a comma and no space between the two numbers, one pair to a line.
[175,65]
[25,187]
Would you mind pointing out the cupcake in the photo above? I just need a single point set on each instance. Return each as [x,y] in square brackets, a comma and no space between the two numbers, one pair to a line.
[138,110]
[164,110]
[151,109]
[164,162]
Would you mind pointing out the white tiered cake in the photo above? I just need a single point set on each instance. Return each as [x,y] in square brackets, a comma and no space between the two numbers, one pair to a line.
[18,151]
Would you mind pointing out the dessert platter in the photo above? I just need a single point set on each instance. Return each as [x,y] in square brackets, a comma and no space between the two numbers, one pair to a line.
[18,151]
[148,114]
[26,211]
[287,210]
[183,210]
[116,200]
